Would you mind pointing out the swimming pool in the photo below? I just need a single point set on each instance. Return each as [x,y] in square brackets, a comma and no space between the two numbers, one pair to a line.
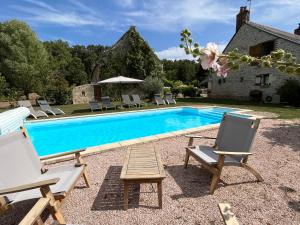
[56,136]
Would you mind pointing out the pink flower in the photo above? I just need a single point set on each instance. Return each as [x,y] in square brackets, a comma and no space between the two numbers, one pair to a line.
[209,56]
[222,70]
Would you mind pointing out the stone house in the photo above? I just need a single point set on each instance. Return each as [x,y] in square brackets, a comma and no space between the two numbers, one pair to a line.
[85,93]
[256,40]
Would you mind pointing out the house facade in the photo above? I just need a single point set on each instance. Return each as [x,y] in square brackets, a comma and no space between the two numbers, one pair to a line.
[256,40]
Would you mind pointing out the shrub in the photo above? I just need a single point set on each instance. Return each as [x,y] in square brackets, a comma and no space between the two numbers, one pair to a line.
[60,91]
[176,90]
[189,91]
[177,87]
[168,83]
[290,92]
[153,85]
[167,90]
[255,95]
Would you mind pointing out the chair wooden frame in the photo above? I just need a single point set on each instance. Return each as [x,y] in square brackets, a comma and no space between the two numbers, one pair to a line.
[53,204]
[216,169]
[55,199]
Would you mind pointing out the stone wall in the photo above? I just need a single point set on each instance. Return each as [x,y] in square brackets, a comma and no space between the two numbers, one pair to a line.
[238,84]
[84,93]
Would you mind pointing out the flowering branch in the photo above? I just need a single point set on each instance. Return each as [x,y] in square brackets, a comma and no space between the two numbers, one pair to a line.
[210,58]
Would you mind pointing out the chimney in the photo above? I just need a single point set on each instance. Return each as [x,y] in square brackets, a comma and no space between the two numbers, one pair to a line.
[297,31]
[242,17]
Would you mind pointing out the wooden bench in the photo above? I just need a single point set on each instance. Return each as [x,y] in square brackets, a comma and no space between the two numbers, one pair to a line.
[142,165]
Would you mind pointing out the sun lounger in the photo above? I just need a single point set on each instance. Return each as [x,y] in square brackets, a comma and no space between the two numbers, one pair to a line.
[158,99]
[126,101]
[170,99]
[48,109]
[94,105]
[34,113]
[106,103]
[232,147]
[22,176]
[137,100]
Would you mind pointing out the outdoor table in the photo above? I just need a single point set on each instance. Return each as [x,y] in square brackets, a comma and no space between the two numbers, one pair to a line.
[142,165]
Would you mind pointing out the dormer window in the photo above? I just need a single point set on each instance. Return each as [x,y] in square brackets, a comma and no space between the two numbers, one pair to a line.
[261,49]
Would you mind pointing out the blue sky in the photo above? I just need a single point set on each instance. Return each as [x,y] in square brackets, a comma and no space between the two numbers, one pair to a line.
[159,21]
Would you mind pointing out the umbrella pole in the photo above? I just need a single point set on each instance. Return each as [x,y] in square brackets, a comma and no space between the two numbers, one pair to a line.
[120,91]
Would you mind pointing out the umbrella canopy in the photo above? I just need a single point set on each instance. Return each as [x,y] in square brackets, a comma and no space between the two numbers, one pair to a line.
[120,80]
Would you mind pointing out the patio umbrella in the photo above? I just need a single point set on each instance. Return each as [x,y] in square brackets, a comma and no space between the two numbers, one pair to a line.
[120,80]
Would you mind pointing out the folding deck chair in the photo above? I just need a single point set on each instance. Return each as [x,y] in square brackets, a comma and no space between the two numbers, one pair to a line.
[137,100]
[22,176]
[158,100]
[232,147]
[170,99]
[34,113]
[126,101]
[48,109]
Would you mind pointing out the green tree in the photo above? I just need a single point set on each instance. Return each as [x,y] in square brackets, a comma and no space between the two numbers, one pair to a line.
[290,92]
[90,56]
[152,86]
[75,73]
[186,71]
[60,56]
[58,89]
[3,85]
[131,56]
[23,58]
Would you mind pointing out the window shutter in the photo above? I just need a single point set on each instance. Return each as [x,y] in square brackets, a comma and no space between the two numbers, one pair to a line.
[255,51]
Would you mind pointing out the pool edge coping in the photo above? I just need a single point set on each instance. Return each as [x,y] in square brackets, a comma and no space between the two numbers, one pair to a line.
[133,111]
[112,146]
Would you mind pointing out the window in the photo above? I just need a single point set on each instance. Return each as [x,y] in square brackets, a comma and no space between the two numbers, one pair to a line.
[261,49]
[262,80]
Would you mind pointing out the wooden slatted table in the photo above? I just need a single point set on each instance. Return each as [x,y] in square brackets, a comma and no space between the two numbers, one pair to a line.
[142,165]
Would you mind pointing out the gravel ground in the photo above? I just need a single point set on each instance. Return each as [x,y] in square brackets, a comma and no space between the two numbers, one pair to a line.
[185,192]
[268,115]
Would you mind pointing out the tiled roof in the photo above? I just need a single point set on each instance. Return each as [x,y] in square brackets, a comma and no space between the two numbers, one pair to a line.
[279,33]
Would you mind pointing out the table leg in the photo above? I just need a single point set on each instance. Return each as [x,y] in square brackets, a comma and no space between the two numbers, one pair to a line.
[126,194]
[159,192]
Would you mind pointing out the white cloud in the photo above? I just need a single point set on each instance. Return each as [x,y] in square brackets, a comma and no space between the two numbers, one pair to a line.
[176,14]
[42,12]
[221,47]
[177,53]
[126,3]
[279,13]
[42,5]
[173,53]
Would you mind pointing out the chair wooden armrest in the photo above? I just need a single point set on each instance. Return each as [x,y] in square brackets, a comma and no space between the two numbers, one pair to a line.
[232,153]
[35,212]
[62,154]
[29,186]
[197,136]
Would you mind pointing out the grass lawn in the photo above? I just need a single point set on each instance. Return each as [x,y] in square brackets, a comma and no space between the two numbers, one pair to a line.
[284,112]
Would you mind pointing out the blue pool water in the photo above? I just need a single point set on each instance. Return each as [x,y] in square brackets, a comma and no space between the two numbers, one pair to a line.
[56,136]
